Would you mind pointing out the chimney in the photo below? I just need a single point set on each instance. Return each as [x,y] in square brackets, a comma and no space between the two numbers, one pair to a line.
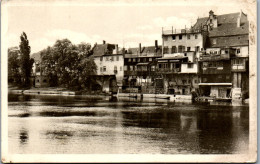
[156,44]
[140,48]
[104,42]
[116,48]
[239,19]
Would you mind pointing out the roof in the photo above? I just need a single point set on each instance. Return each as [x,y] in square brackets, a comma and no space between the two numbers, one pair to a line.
[227,25]
[231,41]
[228,29]
[103,49]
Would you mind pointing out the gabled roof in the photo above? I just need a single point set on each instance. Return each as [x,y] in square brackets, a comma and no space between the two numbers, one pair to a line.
[228,29]
[103,49]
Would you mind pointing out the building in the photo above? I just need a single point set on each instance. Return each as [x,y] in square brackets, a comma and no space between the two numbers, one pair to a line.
[179,65]
[224,64]
[140,68]
[40,79]
[110,63]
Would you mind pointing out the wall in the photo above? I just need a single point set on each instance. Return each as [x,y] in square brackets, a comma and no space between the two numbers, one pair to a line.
[192,42]
[244,51]
[110,66]
[185,69]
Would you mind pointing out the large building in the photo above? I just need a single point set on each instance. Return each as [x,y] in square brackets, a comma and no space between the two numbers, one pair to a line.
[224,64]
[140,68]
[179,65]
[110,63]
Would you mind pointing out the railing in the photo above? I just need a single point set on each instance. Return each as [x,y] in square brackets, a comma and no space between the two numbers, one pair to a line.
[214,57]
[168,70]
[168,31]
[215,70]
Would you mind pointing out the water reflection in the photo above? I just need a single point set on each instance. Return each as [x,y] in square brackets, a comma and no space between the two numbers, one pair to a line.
[23,136]
[77,124]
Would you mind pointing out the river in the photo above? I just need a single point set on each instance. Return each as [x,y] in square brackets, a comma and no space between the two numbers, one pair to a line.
[52,124]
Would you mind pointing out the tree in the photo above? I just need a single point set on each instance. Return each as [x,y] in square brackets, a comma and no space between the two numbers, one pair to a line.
[69,65]
[25,61]
[13,65]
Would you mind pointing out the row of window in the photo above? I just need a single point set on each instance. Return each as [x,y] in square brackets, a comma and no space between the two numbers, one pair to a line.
[104,69]
[174,37]
[212,64]
[140,59]
[110,58]
[179,49]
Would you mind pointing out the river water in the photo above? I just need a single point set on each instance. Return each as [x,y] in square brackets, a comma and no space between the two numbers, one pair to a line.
[95,125]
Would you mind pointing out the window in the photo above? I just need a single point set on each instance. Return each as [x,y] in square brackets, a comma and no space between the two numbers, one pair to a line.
[117,58]
[205,79]
[112,58]
[180,37]
[195,81]
[188,36]
[138,59]
[179,48]
[160,66]
[115,67]
[197,48]
[104,69]
[134,60]
[214,41]
[150,59]
[238,51]
[129,60]
[101,58]
[131,68]
[190,65]
[120,68]
[125,68]
[183,81]
[173,37]
[174,49]
[185,54]
[165,50]
[166,38]
[196,36]
[188,48]
[100,69]
[152,68]
[107,59]
[227,77]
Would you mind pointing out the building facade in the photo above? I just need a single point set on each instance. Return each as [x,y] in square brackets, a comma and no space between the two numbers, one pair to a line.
[224,64]
[110,64]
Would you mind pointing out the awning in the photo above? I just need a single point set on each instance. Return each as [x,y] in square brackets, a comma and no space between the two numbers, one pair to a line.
[216,84]
[142,64]
[166,61]
[172,58]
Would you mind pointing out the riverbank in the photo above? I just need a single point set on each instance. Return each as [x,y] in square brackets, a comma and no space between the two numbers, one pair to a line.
[50,91]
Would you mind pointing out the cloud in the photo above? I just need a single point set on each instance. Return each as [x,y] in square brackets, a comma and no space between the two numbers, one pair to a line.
[74,37]
[144,27]
[175,22]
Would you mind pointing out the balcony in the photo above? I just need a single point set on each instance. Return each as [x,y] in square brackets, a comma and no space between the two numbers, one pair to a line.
[215,57]
[238,68]
[215,70]
[168,70]
[130,73]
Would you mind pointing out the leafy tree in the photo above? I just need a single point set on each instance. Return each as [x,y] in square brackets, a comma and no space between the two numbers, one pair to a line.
[13,65]
[68,64]
[25,62]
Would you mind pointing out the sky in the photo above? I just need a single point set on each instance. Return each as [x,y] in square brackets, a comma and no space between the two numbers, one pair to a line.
[126,23]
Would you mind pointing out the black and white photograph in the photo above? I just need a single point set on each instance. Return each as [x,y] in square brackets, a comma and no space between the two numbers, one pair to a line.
[129,81]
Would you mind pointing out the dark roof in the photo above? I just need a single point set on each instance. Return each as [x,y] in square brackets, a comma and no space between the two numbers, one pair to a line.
[227,24]
[228,29]
[231,41]
[103,49]
[145,50]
